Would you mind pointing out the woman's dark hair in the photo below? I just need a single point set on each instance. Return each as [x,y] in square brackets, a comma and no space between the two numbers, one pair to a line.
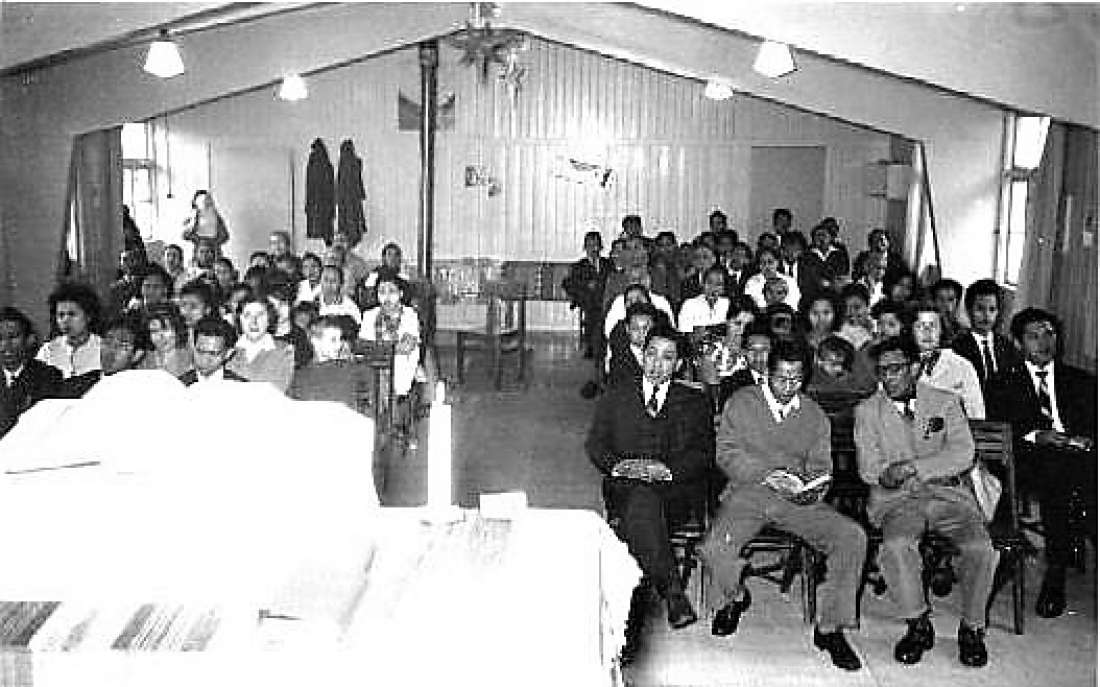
[392,246]
[840,346]
[900,310]
[762,250]
[10,314]
[198,287]
[195,197]
[168,314]
[808,304]
[272,313]
[86,299]
[154,270]
[855,289]
[259,273]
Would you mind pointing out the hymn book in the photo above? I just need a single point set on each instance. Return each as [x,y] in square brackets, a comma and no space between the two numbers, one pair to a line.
[785,481]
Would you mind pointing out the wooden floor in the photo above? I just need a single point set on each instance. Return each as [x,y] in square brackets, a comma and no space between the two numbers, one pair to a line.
[530,437]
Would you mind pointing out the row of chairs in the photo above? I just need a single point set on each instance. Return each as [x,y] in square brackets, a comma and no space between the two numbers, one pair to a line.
[993,447]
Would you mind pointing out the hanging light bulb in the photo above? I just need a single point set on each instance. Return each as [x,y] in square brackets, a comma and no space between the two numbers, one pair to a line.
[293,88]
[163,58]
[718,90]
[774,60]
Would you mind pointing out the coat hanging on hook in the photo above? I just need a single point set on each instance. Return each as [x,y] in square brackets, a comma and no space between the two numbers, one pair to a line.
[320,193]
[350,193]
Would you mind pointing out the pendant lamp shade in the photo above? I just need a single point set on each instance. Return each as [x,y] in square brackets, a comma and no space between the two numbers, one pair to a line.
[163,58]
[774,60]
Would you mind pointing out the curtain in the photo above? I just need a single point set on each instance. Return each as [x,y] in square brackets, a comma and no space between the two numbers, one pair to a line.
[92,240]
[1044,190]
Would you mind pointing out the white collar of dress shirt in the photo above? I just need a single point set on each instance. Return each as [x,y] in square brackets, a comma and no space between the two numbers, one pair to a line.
[11,375]
[779,410]
[824,256]
[979,338]
[1032,369]
[662,392]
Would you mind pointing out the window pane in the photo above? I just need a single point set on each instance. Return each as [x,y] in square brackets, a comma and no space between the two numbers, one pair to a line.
[1017,231]
[1031,138]
[135,141]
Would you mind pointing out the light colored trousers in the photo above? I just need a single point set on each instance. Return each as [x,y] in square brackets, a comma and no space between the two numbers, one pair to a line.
[747,510]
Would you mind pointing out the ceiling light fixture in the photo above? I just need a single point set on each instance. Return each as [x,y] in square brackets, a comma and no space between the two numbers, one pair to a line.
[718,90]
[163,58]
[774,60]
[293,88]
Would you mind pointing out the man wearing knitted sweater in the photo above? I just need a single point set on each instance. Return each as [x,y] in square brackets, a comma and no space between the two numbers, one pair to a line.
[914,448]
[768,430]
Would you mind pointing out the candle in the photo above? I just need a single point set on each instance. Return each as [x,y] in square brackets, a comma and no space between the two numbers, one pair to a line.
[439,453]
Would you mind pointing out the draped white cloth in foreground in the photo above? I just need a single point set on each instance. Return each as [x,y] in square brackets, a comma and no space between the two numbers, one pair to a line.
[214,492]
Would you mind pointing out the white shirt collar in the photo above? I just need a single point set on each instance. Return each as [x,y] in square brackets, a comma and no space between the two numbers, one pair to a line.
[979,338]
[824,256]
[780,411]
[253,349]
[662,392]
[10,376]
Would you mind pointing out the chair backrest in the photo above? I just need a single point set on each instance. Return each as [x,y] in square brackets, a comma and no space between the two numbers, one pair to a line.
[993,447]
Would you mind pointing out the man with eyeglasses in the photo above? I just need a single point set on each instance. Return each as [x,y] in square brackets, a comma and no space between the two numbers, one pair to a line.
[1052,409]
[773,445]
[914,449]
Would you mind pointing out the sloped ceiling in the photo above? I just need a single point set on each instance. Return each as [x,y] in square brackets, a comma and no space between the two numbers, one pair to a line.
[1032,57]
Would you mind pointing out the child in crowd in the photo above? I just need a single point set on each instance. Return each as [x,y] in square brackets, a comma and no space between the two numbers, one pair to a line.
[330,375]
[392,322]
[173,265]
[767,261]
[820,316]
[333,299]
[169,349]
[389,269]
[258,357]
[225,276]
[203,266]
[214,344]
[25,381]
[304,314]
[74,348]
[947,295]
[626,353]
[196,301]
[857,326]
[309,288]
[122,347]
[156,289]
[837,370]
[891,320]
[708,308]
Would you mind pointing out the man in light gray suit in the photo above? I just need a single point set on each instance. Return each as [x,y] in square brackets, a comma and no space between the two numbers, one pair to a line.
[914,448]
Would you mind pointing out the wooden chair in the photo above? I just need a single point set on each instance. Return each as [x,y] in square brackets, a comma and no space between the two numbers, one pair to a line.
[504,335]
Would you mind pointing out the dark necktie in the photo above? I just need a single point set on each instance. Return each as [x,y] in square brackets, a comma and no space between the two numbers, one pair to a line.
[1043,392]
[987,360]
[929,363]
[651,406]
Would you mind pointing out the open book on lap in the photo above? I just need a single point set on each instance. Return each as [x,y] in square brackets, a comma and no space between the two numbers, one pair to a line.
[784,481]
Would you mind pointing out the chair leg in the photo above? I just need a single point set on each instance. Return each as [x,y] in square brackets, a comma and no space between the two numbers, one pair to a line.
[1018,593]
[790,568]
[460,358]
[809,576]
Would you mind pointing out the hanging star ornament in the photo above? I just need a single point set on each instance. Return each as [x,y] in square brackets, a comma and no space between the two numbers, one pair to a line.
[483,47]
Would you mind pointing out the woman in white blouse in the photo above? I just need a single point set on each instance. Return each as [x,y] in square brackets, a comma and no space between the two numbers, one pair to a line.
[708,308]
[767,260]
[392,322]
[635,293]
[74,309]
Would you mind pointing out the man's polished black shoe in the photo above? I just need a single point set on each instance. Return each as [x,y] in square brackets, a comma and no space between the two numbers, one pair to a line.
[919,638]
[839,650]
[680,612]
[1052,596]
[972,647]
[727,618]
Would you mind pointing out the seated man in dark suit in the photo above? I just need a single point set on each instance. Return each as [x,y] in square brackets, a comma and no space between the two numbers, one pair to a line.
[214,340]
[124,343]
[1052,409]
[768,433]
[914,449]
[628,353]
[653,443]
[987,350]
[26,381]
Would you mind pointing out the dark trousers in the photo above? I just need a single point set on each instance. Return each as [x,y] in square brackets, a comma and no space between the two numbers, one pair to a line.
[642,512]
[1052,475]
